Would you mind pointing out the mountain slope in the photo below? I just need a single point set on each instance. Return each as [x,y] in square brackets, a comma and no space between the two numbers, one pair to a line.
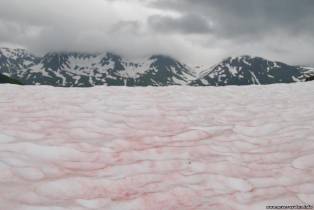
[308,73]
[16,62]
[5,79]
[247,70]
[164,70]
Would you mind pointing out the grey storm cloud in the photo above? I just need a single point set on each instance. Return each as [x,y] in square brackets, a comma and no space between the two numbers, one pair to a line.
[189,24]
[127,26]
[232,18]
[195,31]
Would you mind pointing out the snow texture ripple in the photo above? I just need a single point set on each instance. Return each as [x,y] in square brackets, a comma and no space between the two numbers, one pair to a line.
[171,148]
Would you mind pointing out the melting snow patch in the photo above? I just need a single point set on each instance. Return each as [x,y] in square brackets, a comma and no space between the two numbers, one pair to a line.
[156,148]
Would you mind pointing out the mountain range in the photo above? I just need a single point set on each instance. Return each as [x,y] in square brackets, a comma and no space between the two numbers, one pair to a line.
[72,69]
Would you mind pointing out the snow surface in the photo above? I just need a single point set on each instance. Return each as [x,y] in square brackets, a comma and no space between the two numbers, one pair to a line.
[171,148]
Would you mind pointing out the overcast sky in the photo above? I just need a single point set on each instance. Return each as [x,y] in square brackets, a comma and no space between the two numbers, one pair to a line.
[193,31]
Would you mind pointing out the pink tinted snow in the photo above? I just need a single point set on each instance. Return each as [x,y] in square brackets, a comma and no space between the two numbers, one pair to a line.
[174,148]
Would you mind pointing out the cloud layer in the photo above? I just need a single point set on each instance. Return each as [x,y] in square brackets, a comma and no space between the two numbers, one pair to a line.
[196,31]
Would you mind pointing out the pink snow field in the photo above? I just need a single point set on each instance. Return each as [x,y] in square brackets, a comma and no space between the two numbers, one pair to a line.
[157,148]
